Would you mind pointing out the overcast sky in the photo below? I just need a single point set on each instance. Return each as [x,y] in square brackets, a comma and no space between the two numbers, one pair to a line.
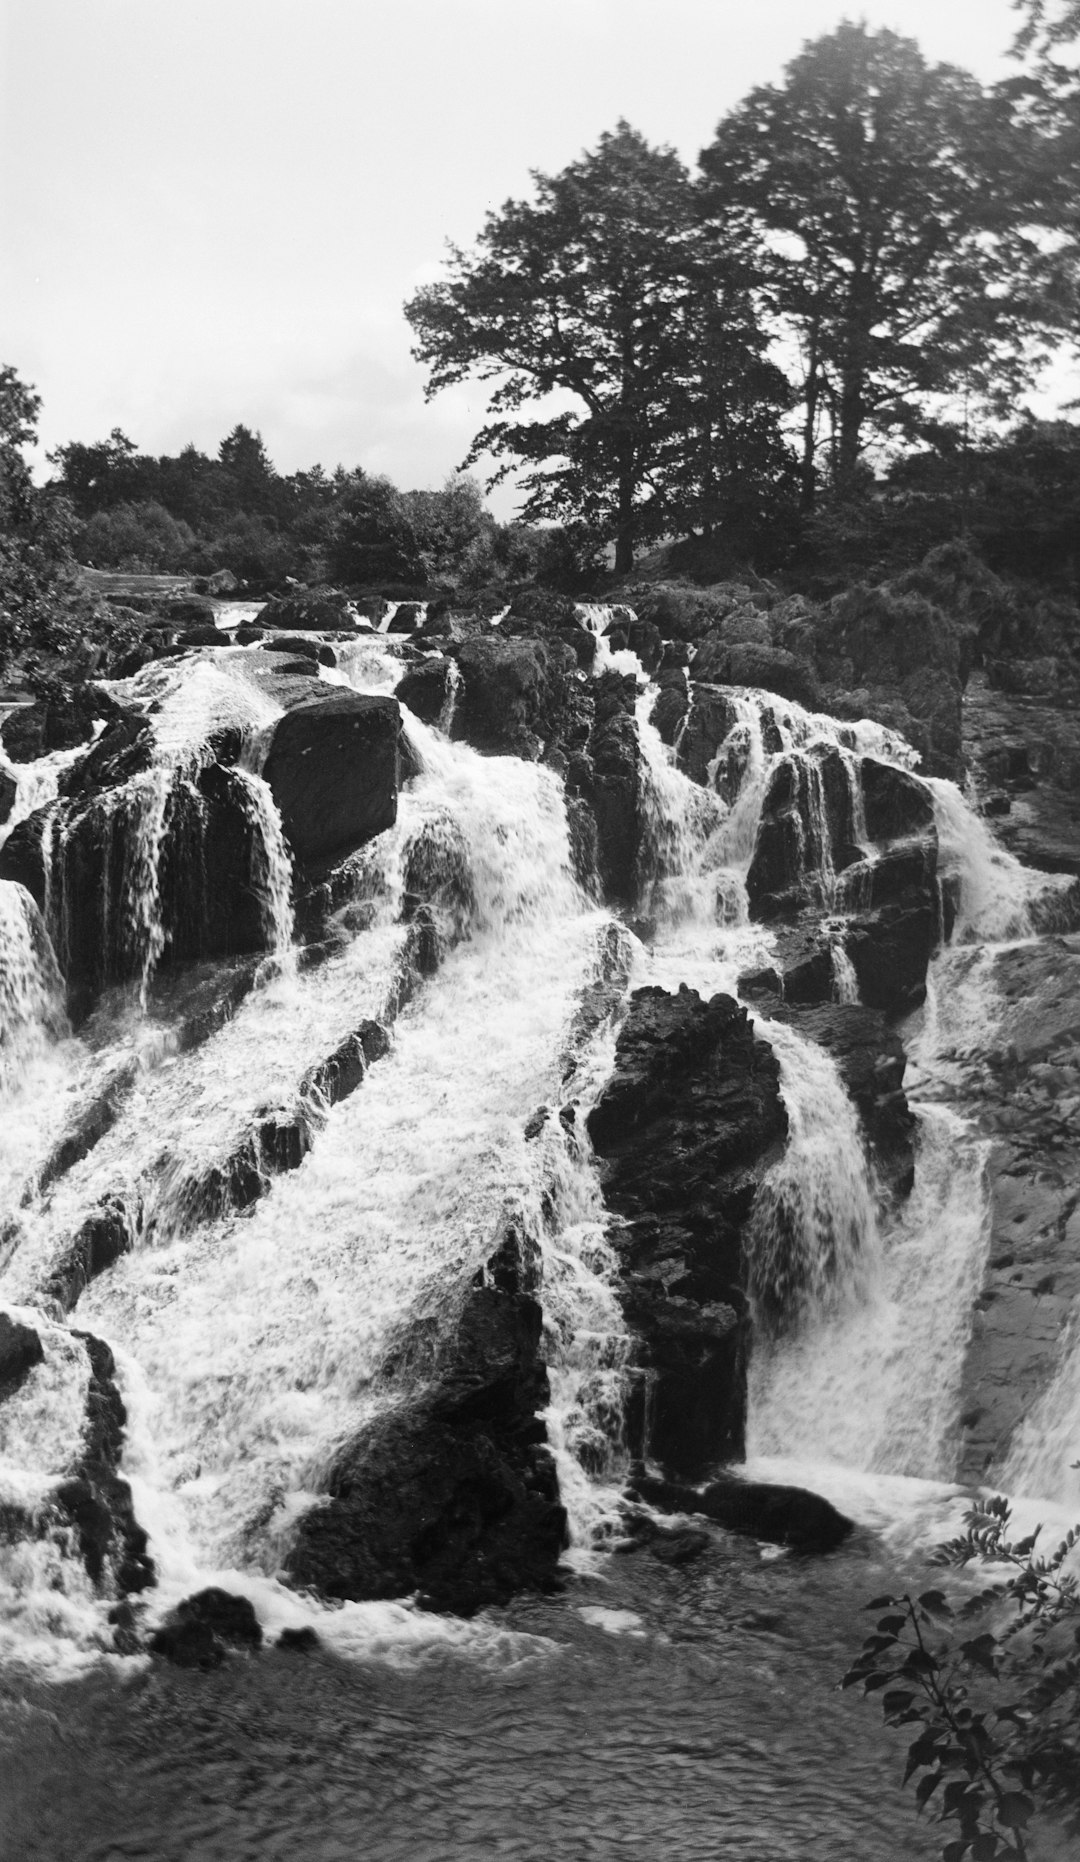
[214,209]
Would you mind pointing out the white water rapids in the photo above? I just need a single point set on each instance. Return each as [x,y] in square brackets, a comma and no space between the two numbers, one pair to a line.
[250,1346]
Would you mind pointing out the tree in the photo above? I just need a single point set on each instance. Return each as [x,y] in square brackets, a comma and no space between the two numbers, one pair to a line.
[601,292]
[994,1708]
[35,532]
[894,203]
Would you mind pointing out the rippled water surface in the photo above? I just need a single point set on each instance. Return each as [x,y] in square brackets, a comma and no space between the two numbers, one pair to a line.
[649,1711]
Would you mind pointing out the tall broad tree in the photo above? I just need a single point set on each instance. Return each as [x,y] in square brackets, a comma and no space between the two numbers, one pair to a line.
[595,300]
[898,205]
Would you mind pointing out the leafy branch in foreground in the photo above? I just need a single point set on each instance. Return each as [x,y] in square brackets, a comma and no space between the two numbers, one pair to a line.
[992,1685]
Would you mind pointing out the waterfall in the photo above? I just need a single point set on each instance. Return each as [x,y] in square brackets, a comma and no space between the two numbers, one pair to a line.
[31,987]
[814,1234]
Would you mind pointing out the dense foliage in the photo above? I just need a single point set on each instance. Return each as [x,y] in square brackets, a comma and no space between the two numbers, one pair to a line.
[871,245]
[989,1686]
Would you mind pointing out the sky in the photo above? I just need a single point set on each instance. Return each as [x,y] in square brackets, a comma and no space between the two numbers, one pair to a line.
[212,211]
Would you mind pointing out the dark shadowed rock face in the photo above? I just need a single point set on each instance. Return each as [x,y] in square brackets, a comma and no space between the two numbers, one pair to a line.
[607,775]
[20,1350]
[454,1497]
[687,1126]
[204,1627]
[778,1514]
[307,613]
[332,770]
[514,694]
[425,689]
[94,1499]
[1024,1086]
[8,790]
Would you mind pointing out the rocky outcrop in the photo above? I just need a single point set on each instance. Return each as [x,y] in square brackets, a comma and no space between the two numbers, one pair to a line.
[20,1351]
[94,1499]
[1024,752]
[454,1498]
[426,689]
[333,772]
[307,613]
[686,1128]
[515,695]
[606,774]
[1025,1089]
[780,1515]
[203,1628]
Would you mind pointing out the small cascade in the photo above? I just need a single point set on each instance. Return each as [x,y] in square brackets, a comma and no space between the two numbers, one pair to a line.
[678,817]
[587,1344]
[449,704]
[872,1382]
[31,987]
[814,1231]
[150,848]
[273,866]
[845,981]
[1042,1461]
[997,897]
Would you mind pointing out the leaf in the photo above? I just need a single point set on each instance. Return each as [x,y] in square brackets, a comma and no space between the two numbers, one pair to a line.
[926,1787]
[898,1700]
[882,1603]
[1015,1810]
[983,1651]
[985,1847]
[892,1625]
[935,1603]
[955,1852]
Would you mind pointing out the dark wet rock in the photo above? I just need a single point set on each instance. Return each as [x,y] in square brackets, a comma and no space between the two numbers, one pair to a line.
[332,769]
[307,613]
[686,1128]
[207,635]
[627,630]
[1024,1088]
[94,1499]
[605,773]
[898,806]
[425,689]
[299,1641]
[454,1497]
[211,889]
[9,788]
[515,694]
[405,618]
[20,1350]
[339,1075]
[66,717]
[721,661]
[780,1515]
[673,703]
[192,611]
[712,719]
[124,749]
[805,853]
[104,1236]
[203,1628]
[542,614]
[890,951]
[679,1548]
[298,645]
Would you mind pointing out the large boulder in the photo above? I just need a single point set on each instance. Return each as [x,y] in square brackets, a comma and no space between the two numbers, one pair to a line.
[515,694]
[20,1351]
[780,1515]
[1023,1086]
[686,1128]
[426,688]
[454,1498]
[722,661]
[332,768]
[307,613]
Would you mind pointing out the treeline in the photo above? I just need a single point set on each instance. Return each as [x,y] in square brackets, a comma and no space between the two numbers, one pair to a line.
[872,257]
[190,513]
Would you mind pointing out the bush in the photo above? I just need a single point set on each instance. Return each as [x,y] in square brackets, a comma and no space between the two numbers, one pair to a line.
[990,1687]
